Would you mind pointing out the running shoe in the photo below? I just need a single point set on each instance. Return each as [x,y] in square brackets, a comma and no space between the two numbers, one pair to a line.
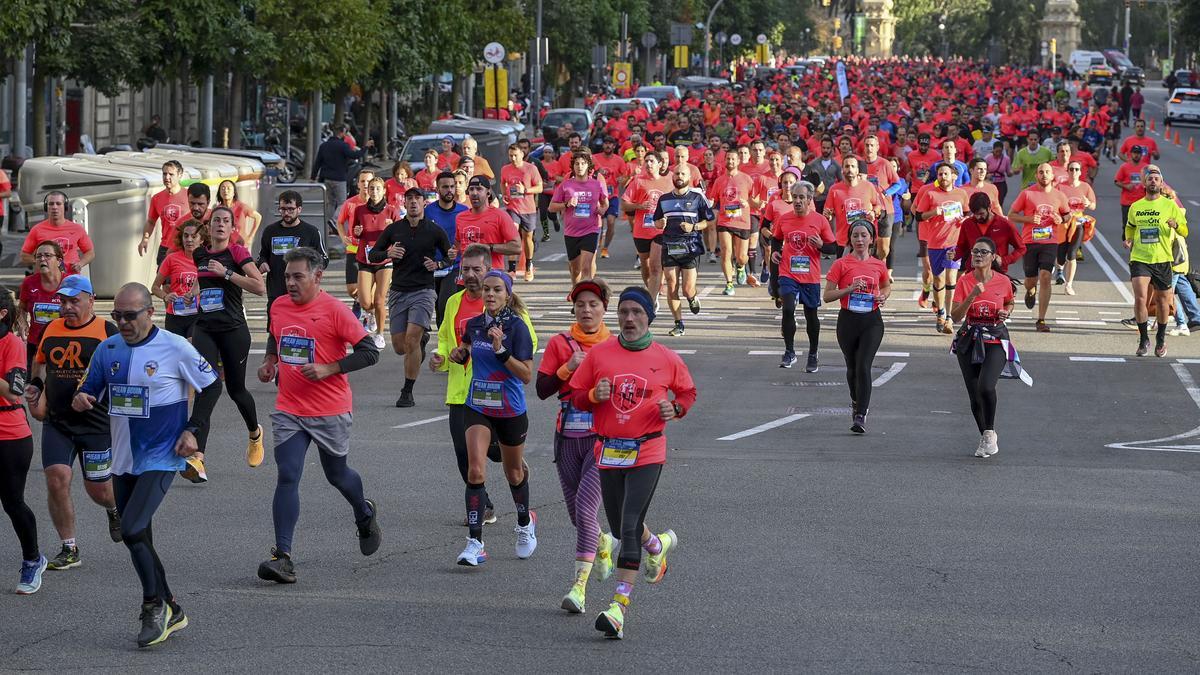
[694,305]
[254,449]
[489,518]
[68,557]
[371,324]
[778,302]
[473,555]
[155,618]
[195,470]
[946,327]
[654,565]
[923,300]
[545,237]
[178,621]
[741,274]
[677,331]
[1142,350]
[1179,331]
[526,537]
[1030,298]
[369,534]
[859,425]
[1160,348]
[728,289]
[752,280]
[512,267]
[1070,290]
[991,442]
[406,400]
[575,598]
[765,275]
[1079,255]
[981,450]
[1129,323]
[637,264]
[789,359]
[31,576]
[529,273]
[604,252]
[1059,277]
[380,343]
[813,364]
[712,258]
[279,568]
[114,525]
[1040,326]
[606,550]
[611,621]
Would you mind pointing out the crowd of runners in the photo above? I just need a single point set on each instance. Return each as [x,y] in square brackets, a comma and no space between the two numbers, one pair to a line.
[779,188]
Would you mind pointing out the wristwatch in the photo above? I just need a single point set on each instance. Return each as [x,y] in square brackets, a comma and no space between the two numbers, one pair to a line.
[678,409]
[228,274]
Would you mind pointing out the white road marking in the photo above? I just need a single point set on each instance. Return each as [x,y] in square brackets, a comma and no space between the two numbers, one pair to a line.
[418,423]
[1193,202]
[1110,313]
[761,352]
[1187,360]
[553,257]
[707,289]
[1189,384]
[685,352]
[903,355]
[258,351]
[889,374]
[1099,359]
[1122,287]
[764,427]
[1079,322]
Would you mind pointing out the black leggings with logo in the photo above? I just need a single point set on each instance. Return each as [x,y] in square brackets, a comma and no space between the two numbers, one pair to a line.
[627,494]
[231,349]
[15,457]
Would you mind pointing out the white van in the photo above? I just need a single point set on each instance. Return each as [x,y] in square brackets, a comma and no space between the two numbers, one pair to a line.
[1082,60]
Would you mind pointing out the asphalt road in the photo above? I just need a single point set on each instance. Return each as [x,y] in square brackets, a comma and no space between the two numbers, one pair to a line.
[804,548]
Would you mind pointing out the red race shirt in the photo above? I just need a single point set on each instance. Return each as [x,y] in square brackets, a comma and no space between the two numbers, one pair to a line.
[1036,201]
[1000,230]
[42,304]
[848,269]
[1078,196]
[799,259]
[1131,173]
[179,269]
[639,381]
[848,203]
[13,424]
[316,332]
[609,168]
[730,195]
[170,209]
[645,189]
[883,174]
[468,309]
[70,236]
[985,308]
[989,188]
[1149,146]
[373,225]
[766,186]
[941,231]
[492,227]
[523,202]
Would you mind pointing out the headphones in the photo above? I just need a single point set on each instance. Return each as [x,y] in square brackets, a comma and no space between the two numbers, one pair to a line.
[46,202]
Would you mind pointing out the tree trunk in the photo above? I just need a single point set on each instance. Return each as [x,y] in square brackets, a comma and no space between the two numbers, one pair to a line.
[339,106]
[369,117]
[39,112]
[433,98]
[237,90]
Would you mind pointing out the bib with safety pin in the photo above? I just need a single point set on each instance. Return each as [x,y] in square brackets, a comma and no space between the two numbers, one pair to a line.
[951,211]
[181,306]
[575,420]
[800,264]
[1042,233]
[129,400]
[487,394]
[281,245]
[212,300]
[619,452]
[861,303]
[45,312]
[733,210]
[1148,235]
[297,350]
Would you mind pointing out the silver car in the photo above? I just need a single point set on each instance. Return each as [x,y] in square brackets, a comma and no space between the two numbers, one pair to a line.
[1184,106]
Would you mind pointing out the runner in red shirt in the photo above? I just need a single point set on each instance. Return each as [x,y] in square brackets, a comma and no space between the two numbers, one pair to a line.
[176,279]
[766,186]
[941,209]
[1129,180]
[1040,209]
[1139,138]
[796,240]
[730,196]
[852,198]
[610,168]
[985,222]
[38,302]
[345,232]
[306,356]
[367,223]
[521,184]
[639,200]
[245,219]
[486,224]
[426,178]
[883,175]
[627,383]
[980,183]
[170,206]
[862,284]
[1080,197]
[72,239]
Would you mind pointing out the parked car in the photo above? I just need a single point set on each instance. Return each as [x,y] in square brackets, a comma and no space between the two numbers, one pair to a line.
[1081,60]
[701,83]
[1123,68]
[580,120]
[659,93]
[1100,75]
[615,106]
[1184,106]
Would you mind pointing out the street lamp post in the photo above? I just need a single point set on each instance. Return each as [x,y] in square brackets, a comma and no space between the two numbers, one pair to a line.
[942,32]
[708,35]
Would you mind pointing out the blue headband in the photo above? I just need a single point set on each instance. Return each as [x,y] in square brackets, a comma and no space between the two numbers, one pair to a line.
[502,276]
[642,297]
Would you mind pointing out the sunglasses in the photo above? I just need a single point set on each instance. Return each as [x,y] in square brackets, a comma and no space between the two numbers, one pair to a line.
[128,317]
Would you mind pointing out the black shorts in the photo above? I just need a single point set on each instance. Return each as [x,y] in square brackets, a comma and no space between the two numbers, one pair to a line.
[374,269]
[509,431]
[740,234]
[1039,257]
[93,450]
[1068,249]
[577,245]
[643,245]
[686,261]
[1161,275]
[884,227]
[351,269]
[184,325]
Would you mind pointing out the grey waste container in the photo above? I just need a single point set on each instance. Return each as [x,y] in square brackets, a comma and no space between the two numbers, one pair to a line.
[111,203]
[312,206]
[245,173]
[271,161]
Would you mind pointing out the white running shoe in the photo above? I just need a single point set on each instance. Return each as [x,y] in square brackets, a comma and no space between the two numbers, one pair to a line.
[991,440]
[371,324]
[981,450]
[526,537]
[473,555]
[380,343]
[1179,331]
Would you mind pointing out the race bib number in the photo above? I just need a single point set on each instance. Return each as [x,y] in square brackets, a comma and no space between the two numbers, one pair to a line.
[583,210]
[1148,235]
[514,190]
[648,221]
[575,420]
[486,394]
[677,248]
[733,210]
[800,264]
[281,245]
[129,400]
[1135,179]
[182,307]
[1043,233]
[297,350]
[45,312]
[861,303]
[97,464]
[619,452]
[951,211]
[212,300]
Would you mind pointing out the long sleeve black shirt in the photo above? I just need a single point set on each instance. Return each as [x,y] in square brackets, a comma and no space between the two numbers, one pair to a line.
[419,242]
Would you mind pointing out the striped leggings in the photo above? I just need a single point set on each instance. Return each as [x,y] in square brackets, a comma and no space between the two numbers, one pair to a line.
[576,463]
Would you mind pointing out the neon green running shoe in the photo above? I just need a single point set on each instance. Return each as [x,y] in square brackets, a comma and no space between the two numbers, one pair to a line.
[574,600]
[606,550]
[655,566]
[611,621]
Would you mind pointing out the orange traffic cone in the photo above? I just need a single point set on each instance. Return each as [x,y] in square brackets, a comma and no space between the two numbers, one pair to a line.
[1177,138]
[1151,125]
[1191,145]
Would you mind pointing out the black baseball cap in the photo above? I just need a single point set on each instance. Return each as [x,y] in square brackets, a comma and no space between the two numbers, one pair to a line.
[480,181]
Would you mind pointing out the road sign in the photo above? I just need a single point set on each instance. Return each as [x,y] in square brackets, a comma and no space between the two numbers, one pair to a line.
[762,54]
[681,56]
[493,52]
[599,56]
[649,39]
[681,33]
[761,39]
[735,39]
[622,74]
[722,38]
[495,87]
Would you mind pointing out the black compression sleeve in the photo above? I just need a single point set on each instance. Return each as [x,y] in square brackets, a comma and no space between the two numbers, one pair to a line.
[365,354]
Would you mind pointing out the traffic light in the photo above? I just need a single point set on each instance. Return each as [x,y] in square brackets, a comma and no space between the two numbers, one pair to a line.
[837,43]
[1053,45]
[824,3]
[837,25]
